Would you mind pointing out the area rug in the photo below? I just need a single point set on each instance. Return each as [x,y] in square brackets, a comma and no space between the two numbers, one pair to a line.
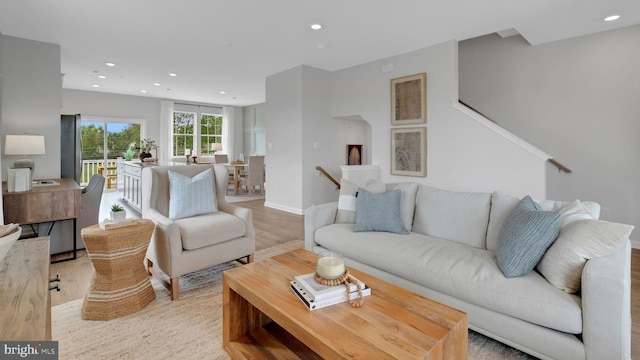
[187,328]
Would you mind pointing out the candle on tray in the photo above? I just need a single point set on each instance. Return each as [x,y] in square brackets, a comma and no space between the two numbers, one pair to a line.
[330,265]
[187,151]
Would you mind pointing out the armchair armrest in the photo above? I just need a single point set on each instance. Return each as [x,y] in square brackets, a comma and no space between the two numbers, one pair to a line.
[165,230]
[606,305]
[315,217]
[244,214]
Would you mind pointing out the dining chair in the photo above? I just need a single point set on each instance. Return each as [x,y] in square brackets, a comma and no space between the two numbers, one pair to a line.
[254,175]
[221,159]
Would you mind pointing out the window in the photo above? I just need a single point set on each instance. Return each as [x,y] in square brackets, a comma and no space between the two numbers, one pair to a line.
[199,132]
[210,134]
[182,132]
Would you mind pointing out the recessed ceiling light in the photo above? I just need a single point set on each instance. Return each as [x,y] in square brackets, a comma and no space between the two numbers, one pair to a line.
[143,91]
[612,18]
[173,74]
[102,76]
[108,63]
[316,26]
[223,92]
[156,84]
[95,85]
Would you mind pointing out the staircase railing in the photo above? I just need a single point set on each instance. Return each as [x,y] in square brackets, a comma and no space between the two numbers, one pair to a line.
[481,118]
[331,178]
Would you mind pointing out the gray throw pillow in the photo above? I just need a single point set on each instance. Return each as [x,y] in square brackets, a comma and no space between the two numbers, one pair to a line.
[525,236]
[379,212]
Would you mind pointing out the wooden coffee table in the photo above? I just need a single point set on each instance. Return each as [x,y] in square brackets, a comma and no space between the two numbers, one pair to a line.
[263,318]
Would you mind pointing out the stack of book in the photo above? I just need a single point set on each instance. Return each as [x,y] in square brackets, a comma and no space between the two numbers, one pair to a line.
[315,296]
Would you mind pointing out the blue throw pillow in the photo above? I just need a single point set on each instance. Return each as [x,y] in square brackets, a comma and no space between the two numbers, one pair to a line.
[379,212]
[525,236]
[191,196]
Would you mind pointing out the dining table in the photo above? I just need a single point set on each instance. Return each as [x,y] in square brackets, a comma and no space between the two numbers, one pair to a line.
[236,168]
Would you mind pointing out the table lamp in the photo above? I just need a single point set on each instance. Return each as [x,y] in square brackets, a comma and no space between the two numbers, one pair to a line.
[24,145]
[216,147]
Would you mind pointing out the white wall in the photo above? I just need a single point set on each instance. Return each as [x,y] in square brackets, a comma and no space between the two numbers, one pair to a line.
[92,103]
[304,106]
[461,154]
[577,100]
[1,138]
[284,140]
[322,143]
[301,134]
[31,98]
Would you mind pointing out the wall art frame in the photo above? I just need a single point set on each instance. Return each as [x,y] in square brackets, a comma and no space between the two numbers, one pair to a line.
[409,151]
[409,99]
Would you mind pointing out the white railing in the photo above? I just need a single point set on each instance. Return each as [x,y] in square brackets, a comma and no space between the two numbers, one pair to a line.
[90,167]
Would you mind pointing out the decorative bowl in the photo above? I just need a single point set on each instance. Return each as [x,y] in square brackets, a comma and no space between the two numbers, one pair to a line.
[6,242]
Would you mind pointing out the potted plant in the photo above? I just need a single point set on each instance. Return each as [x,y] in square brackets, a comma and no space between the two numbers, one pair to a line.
[117,213]
[128,155]
[146,145]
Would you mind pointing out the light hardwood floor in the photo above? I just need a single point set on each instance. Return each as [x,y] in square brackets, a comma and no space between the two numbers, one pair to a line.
[275,227]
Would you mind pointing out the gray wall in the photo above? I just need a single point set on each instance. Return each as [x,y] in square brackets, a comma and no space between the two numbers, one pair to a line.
[576,99]
[31,97]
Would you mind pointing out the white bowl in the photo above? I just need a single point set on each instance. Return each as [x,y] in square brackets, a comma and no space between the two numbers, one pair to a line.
[7,242]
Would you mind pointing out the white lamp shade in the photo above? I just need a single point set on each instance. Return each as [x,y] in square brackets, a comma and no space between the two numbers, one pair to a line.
[24,145]
[216,146]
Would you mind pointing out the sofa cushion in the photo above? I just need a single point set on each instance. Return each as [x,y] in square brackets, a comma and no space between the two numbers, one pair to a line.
[466,273]
[578,242]
[204,230]
[457,216]
[501,206]
[347,202]
[189,196]
[526,234]
[379,212]
[408,192]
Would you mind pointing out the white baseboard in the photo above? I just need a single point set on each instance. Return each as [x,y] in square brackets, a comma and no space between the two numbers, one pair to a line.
[284,208]
[635,244]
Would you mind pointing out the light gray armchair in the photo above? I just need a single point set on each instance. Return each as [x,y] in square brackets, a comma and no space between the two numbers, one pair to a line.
[91,197]
[186,245]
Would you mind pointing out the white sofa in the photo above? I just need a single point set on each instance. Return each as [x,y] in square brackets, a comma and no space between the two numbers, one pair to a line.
[449,255]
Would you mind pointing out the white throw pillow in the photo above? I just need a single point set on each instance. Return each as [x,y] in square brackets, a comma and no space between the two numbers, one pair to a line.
[574,211]
[375,186]
[593,208]
[191,196]
[347,202]
[578,242]
[451,215]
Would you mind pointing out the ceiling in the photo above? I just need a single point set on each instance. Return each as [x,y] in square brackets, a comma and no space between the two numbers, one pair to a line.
[233,45]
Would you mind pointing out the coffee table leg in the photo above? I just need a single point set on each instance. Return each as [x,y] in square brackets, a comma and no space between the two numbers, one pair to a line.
[239,318]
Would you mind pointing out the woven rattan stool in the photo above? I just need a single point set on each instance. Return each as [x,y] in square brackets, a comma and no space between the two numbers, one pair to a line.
[120,284]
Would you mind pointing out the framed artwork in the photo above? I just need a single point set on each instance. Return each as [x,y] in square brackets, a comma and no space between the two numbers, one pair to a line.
[354,154]
[409,99]
[409,151]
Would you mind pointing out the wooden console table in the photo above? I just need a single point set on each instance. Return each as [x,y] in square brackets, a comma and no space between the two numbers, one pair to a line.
[25,304]
[42,204]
